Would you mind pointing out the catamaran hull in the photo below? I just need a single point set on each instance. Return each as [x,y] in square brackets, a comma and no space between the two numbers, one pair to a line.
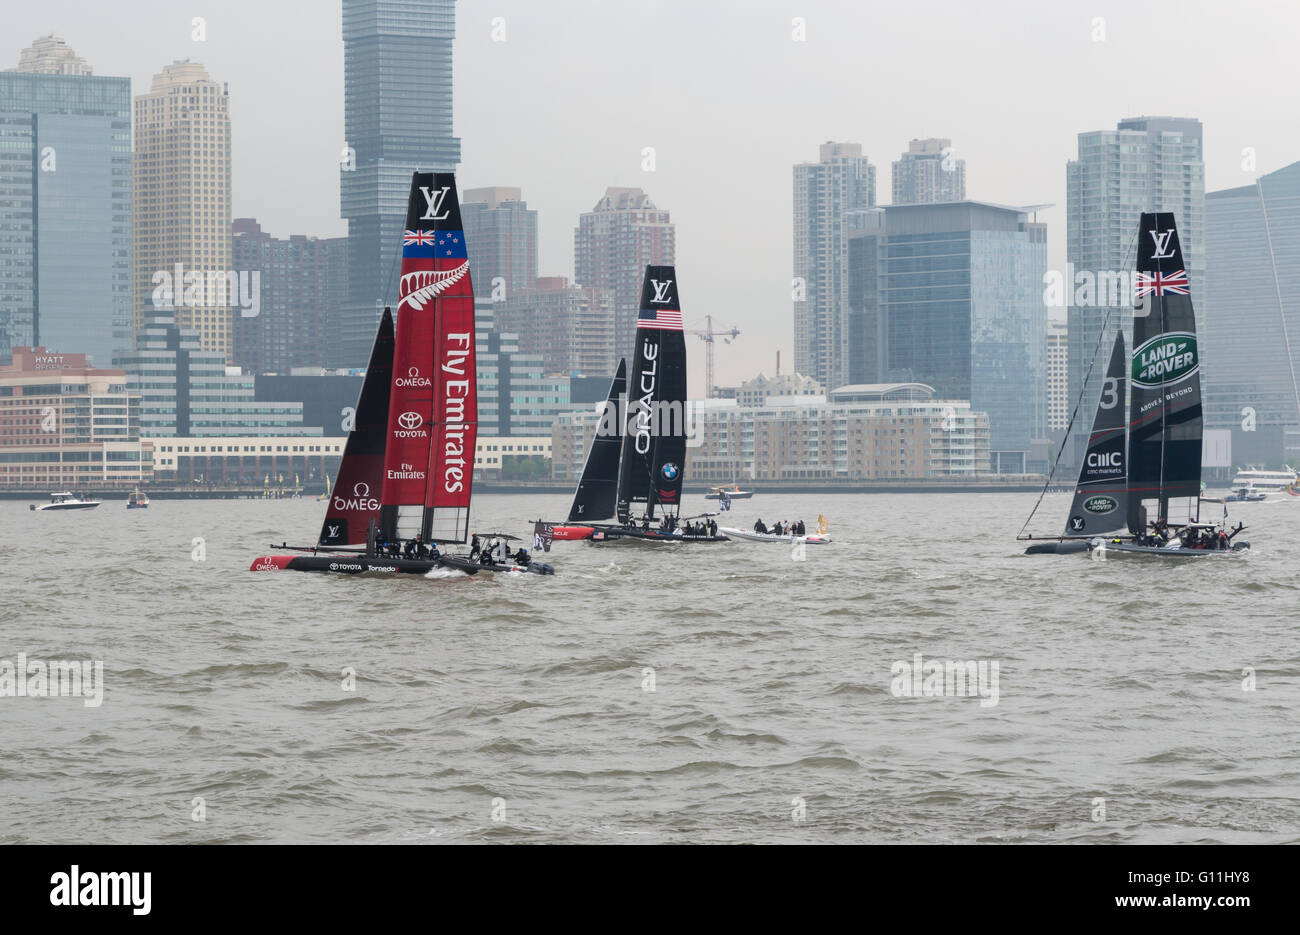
[740,495]
[360,564]
[1056,548]
[617,533]
[1129,548]
[811,538]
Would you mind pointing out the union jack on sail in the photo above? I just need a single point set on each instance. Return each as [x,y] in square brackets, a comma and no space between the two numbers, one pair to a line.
[1158,283]
[418,237]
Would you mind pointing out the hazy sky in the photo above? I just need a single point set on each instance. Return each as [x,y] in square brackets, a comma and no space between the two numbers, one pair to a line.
[729,101]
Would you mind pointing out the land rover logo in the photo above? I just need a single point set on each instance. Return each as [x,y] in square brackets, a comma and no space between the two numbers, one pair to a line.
[1167,358]
[410,420]
[1100,506]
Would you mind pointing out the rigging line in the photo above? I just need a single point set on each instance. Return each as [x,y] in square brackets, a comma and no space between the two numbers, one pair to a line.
[1083,387]
[1277,287]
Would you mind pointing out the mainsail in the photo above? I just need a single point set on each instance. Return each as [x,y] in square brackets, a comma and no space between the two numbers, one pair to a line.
[354,500]
[598,488]
[433,408]
[654,441]
[1101,495]
[1164,453]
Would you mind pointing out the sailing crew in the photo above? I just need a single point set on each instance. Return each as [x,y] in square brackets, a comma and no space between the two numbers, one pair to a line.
[474,547]
[713,528]
[760,528]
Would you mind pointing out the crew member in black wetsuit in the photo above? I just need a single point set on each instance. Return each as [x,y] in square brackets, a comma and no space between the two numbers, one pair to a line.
[760,528]
[521,557]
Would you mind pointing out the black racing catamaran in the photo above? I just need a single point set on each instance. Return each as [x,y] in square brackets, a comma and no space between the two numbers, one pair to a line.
[407,474]
[1139,463]
[637,463]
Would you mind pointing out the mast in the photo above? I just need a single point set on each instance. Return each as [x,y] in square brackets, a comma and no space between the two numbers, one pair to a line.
[1165,421]
[354,499]
[1101,495]
[598,487]
[654,439]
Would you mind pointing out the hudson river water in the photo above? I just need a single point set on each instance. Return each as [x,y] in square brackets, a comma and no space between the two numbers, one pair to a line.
[490,710]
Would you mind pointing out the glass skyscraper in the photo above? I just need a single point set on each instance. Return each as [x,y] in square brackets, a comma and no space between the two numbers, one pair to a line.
[962,307]
[65,208]
[1251,310]
[1145,164]
[397,118]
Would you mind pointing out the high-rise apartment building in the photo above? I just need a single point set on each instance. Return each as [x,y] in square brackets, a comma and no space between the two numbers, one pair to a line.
[1145,164]
[182,206]
[397,119]
[613,244]
[301,283]
[1058,381]
[570,327]
[1251,339]
[65,205]
[842,181]
[501,237]
[929,172]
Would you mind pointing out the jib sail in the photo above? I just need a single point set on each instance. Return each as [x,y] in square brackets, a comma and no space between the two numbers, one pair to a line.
[1101,496]
[355,498]
[598,488]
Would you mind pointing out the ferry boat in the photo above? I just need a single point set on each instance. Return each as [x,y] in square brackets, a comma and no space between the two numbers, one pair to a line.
[66,501]
[1269,481]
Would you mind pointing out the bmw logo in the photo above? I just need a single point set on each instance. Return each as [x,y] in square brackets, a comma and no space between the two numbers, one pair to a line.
[670,470]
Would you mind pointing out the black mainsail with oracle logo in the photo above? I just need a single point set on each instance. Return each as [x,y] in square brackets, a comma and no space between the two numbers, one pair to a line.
[654,439]
[1164,433]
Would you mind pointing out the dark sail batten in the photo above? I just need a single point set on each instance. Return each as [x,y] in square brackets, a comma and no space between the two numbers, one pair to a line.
[597,491]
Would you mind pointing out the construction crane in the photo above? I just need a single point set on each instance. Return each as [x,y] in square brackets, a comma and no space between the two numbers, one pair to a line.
[708,336]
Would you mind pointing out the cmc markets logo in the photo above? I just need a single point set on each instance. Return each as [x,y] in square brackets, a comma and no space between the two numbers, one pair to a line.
[360,499]
[1100,506]
[410,423]
[413,378]
[1167,358]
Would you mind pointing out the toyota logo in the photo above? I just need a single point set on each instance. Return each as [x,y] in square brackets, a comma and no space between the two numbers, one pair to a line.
[361,490]
[410,420]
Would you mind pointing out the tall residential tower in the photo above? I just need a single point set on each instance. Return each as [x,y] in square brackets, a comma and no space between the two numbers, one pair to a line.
[182,206]
[842,181]
[929,172]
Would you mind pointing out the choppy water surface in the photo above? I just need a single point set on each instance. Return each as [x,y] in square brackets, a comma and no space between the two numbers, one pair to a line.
[517,710]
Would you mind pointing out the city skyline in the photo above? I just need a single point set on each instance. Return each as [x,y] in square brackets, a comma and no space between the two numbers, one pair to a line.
[782,98]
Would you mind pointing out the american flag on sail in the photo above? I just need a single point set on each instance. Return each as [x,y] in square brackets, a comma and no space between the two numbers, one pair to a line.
[666,319]
[1161,283]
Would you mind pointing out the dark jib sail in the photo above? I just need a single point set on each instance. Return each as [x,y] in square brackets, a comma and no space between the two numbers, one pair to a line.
[1164,454]
[598,488]
[433,409]
[654,441]
[1101,496]
[354,501]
